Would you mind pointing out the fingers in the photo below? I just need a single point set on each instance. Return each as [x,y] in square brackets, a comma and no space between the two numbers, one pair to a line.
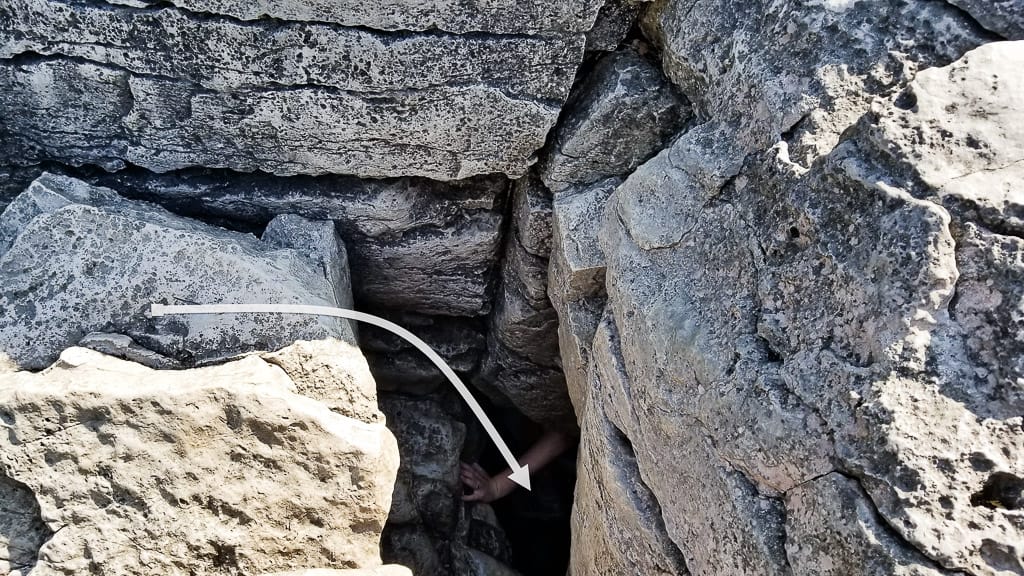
[477,479]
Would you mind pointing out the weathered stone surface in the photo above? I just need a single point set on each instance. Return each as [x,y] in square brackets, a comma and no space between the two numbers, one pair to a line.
[444,236]
[428,529]
[495,16]
[510,379]
[780,323]
[78,259]
[1004,17]
[622,114]
[217,470]
[22,530]
[523,319]
[399,367]
[532,210]
[617,522]
[165,88]
[332,372]
[833,514]
[428,491]
[577,265]
[577,323]
[803,72]
[614,21]
[388,570]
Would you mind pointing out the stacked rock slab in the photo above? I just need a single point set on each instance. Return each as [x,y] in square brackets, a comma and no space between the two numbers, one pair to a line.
[274,462]
[809,292]
[76,259]
[384,89]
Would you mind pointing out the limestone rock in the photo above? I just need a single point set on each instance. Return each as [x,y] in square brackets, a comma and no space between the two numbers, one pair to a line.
[577,264]
[537,391]
[387,570]
[78,259]
[802,73]
[167,88]
[399,367]
[430,441]
[495,16]
[1005,17]
[780,324]
[532,209]
[430,246]
[833,514]
[617,522]
[217,470]
[577,324]
[523,319]
[614,21]
[624,113]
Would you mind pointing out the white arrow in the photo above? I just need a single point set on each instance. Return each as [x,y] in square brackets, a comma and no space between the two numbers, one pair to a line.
[520,474]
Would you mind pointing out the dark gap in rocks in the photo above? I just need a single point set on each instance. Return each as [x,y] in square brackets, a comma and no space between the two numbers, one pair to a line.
[536,522]
[22,530]
[1002,491]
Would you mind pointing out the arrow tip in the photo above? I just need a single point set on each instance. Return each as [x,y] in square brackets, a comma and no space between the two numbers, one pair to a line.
[522,477]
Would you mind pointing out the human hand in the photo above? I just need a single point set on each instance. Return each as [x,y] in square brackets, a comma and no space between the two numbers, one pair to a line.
[484,488]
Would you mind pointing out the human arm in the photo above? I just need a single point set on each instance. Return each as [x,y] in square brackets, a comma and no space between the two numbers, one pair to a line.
[486,488]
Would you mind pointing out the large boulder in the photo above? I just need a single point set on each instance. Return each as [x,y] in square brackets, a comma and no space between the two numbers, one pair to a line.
[823,360]
[111,467]
[189,83]
[76,259]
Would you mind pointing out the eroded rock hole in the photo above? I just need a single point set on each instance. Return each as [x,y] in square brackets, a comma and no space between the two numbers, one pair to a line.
[1002,491]
[22,530]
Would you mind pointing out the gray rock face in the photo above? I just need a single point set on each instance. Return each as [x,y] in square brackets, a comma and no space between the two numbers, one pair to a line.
[614,21]
[1004,17]
[167,88]
[624,112]
[617,522]
[532,211]
[496,16]
[803,71]
[78,259]
[415,245]
[806,346]
[219,470]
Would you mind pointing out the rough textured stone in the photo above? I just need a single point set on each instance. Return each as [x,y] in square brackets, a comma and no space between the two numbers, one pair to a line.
[801,71]
[510,379]
[399,367]
[1004,17]
[218,470]
[444,237]
[523,319]
[388,570]
[496,16]
[577,323]
[832,513]
[779,324]
[617,522]
[577,264]
[78,259]
[614,21]
[22,530]
[532,210]
[165,88]
[621,115]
